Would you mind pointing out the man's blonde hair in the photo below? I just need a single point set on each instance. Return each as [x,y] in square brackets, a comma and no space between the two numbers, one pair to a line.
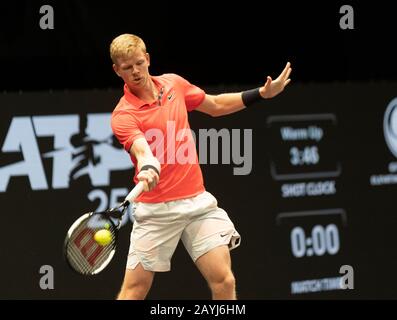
[125,44]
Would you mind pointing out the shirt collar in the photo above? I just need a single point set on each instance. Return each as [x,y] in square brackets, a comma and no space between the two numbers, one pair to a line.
[134,100]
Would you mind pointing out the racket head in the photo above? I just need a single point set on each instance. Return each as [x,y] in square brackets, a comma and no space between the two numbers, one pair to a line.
[82,253]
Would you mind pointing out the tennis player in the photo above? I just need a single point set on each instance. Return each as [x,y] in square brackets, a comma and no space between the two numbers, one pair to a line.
[151,122]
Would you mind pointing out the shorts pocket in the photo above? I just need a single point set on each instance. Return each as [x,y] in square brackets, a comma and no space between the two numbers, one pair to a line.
[140,212]
[208,201]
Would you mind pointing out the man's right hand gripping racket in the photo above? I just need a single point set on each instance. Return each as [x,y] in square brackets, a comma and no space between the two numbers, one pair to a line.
[83,252]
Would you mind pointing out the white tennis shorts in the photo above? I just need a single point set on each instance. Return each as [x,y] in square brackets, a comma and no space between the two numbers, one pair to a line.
[158,227]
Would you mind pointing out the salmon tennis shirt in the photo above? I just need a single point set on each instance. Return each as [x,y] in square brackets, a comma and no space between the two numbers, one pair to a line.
[164,124]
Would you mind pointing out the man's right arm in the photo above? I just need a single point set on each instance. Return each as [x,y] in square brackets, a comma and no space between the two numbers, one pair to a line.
[140,149]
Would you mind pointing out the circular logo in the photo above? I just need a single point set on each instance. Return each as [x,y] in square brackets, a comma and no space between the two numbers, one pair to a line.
[390,126]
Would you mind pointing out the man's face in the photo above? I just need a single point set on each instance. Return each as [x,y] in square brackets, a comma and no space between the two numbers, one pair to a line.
[134,69]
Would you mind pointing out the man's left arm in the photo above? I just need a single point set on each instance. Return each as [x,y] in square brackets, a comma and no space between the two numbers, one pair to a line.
[227,103]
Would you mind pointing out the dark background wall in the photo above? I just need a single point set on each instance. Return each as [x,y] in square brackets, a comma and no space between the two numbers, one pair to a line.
[343,81]
[208,43]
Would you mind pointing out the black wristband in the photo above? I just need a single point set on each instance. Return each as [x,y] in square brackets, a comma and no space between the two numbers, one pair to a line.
[149,166]
[249,97]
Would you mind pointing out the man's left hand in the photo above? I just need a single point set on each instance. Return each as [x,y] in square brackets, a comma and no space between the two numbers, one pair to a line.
[273,87]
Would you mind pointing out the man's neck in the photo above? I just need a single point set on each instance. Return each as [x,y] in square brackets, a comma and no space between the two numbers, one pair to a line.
[148,93]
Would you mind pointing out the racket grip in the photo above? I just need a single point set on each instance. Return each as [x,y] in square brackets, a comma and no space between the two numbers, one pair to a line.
[135,192]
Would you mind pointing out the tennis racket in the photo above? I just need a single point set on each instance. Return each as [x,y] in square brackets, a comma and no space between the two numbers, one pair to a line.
[85,255]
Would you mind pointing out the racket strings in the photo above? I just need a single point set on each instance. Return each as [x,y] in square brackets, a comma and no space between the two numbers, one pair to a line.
[85,255]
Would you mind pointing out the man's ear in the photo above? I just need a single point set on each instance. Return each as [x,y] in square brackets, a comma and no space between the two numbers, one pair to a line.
[148,59]
[116,69]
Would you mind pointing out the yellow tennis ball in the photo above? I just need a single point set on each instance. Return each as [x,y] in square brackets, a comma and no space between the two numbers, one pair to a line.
[103,237]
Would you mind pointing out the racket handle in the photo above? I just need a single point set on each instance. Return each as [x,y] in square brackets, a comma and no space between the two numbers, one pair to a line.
[135,192]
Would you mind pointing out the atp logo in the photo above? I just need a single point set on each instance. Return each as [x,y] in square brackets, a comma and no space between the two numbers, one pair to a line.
[83,145]
[390,126]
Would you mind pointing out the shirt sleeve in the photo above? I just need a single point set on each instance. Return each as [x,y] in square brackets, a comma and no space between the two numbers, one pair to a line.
[126,128]
[194,95]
